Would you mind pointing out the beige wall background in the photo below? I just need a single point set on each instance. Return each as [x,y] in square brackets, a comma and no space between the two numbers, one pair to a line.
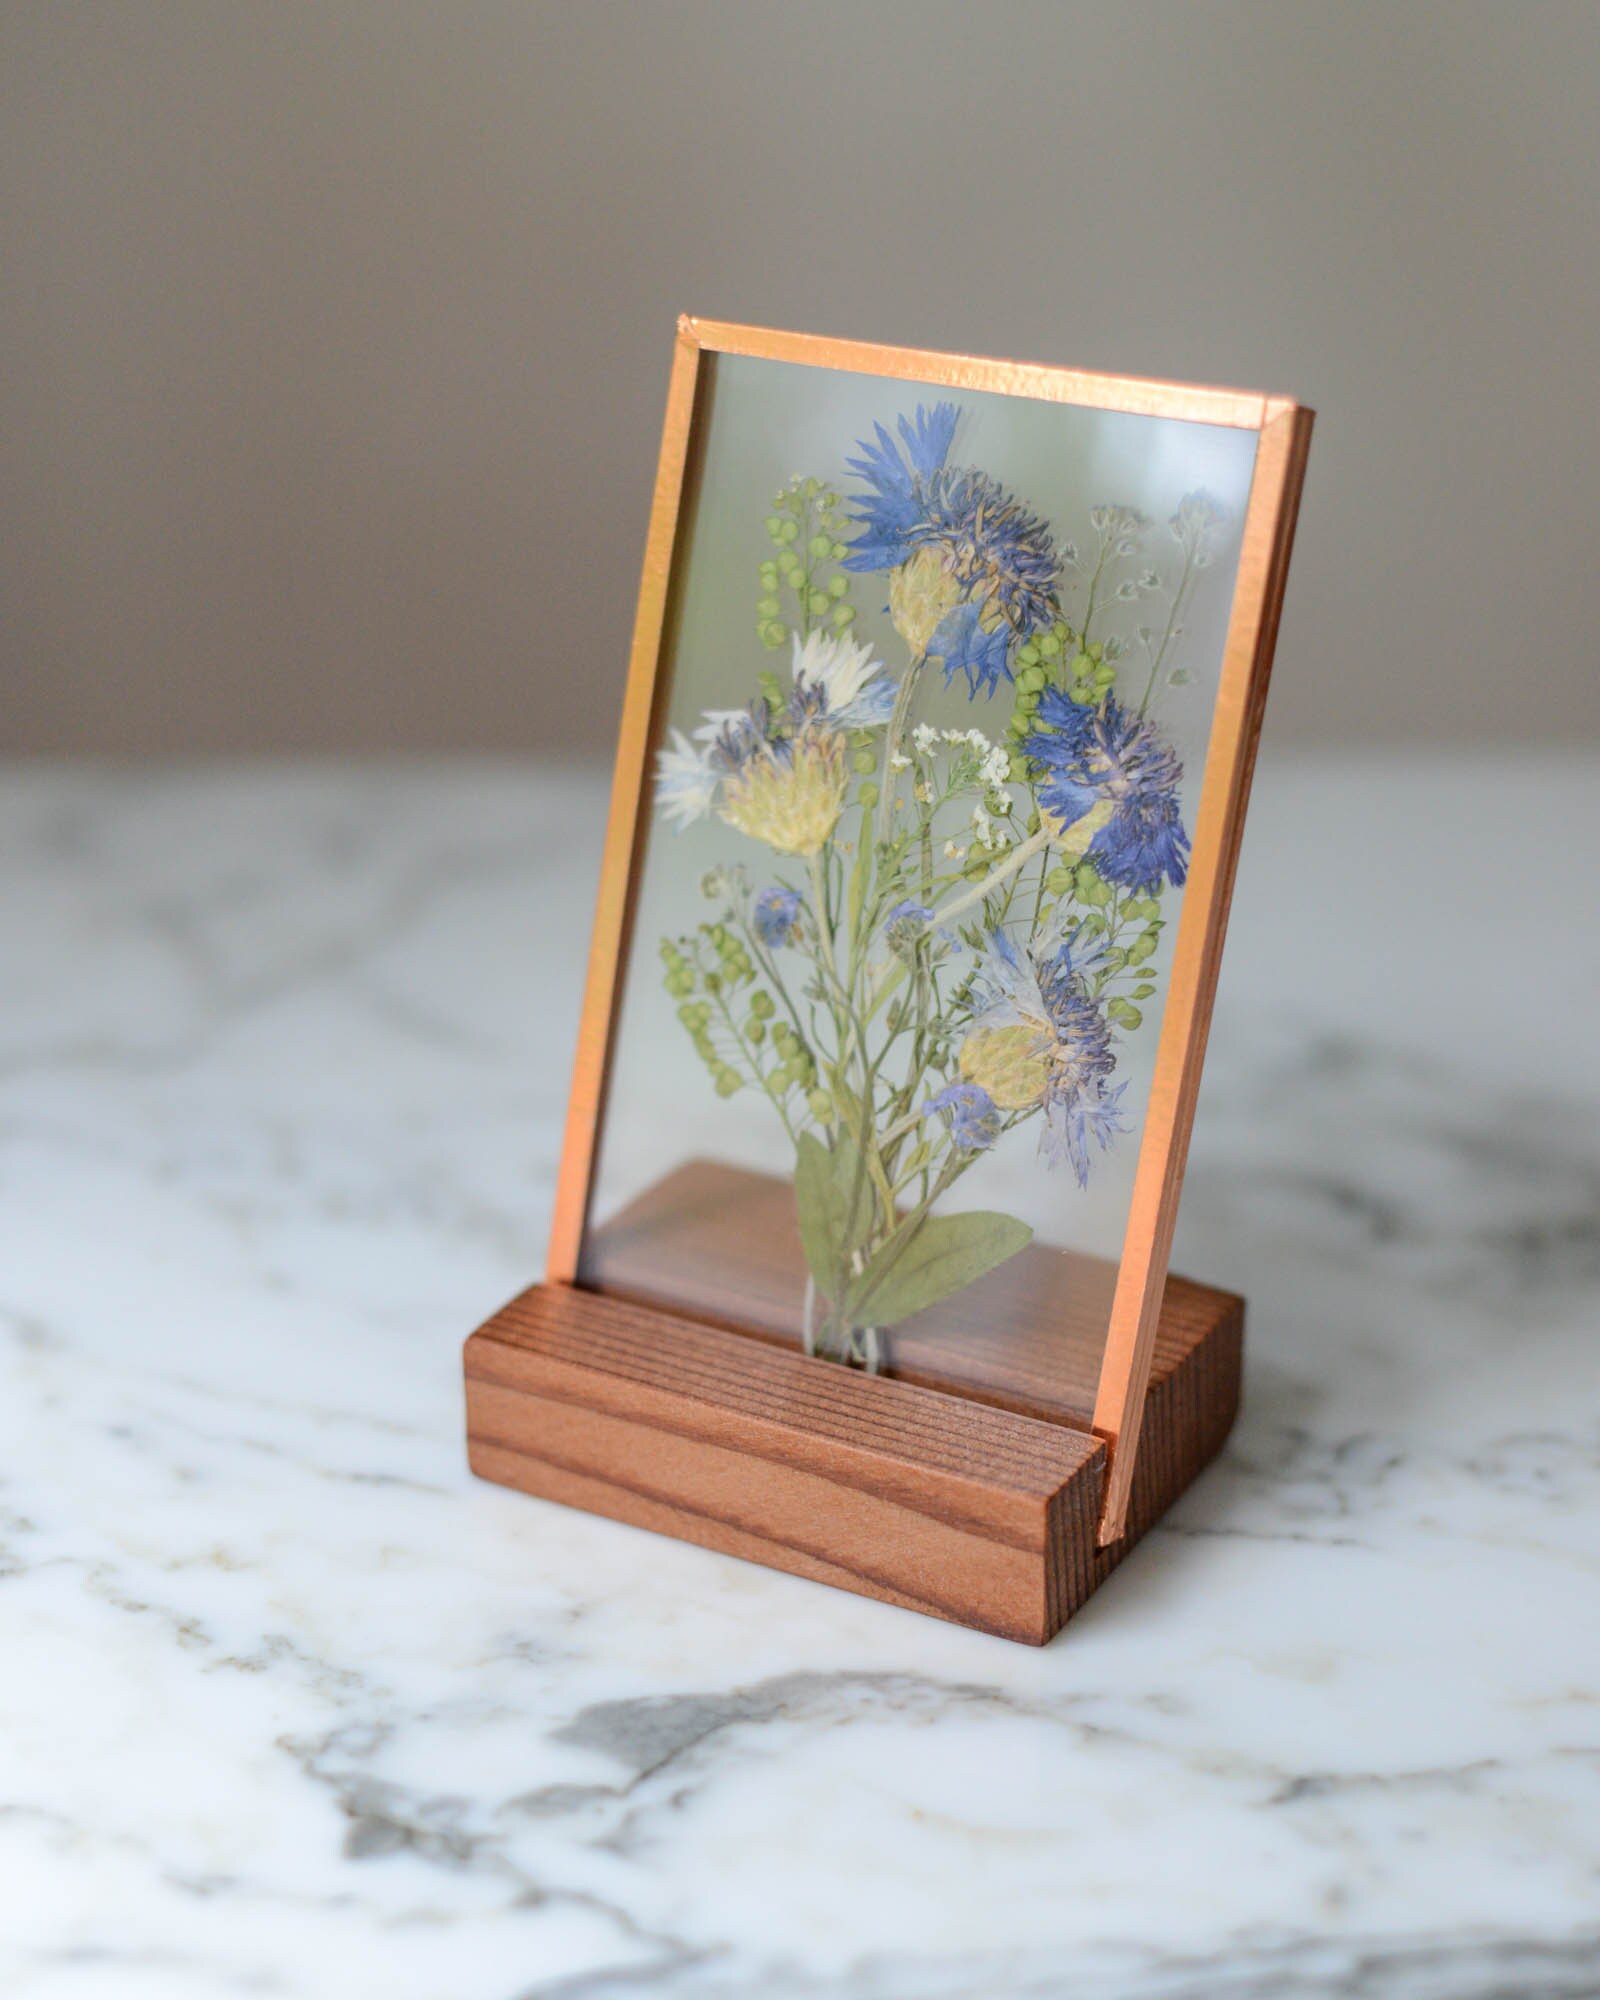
[336,337]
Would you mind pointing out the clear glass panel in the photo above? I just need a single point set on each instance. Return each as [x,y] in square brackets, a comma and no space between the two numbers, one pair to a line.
[936,698]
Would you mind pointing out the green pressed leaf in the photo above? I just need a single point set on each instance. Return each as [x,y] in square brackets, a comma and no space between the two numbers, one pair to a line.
[844,1097]
[860,876]
[1124,1013]
[831,1197]
[894,978]
[943,1255]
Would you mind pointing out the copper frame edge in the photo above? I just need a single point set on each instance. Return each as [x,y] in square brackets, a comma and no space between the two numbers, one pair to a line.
[618,867]
[1268,536]
[1133,395]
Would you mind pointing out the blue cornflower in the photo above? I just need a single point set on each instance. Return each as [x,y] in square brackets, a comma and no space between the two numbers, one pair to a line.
[973,1114]
[1081,1104]
[890,524]
[953,540]
[906,925]
[1040,1038]
[734,737]
[776,916]
[1112,762]
[962,645]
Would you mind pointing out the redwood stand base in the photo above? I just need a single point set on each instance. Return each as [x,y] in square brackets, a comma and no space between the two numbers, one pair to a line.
[967,1501]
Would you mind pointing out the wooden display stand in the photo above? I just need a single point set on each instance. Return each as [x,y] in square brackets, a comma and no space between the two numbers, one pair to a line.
[966,1482]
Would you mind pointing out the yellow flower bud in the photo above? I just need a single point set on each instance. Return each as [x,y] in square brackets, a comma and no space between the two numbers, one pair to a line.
[1012,1064]
[921,591]
[1075,839]
[792,803]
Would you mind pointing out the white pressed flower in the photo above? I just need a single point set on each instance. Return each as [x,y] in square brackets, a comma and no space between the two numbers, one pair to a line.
[984,828]
[716,720]
[899,761]
[686,785]
[854,689]
[925,739]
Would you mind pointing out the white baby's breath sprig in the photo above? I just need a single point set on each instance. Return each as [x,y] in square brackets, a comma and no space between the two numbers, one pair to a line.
[984,827]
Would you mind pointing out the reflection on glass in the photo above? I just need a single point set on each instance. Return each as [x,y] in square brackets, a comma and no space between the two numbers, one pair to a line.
[937,707]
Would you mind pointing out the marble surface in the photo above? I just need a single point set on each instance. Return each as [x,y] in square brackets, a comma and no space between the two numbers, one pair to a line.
[290,1705]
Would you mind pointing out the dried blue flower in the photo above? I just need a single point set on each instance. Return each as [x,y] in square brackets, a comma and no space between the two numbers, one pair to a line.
[1040,1038]
[776,917]
[952,539]
[973,1115]
[1114,760]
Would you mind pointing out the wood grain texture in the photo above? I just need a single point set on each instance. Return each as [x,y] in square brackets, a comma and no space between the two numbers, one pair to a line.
[939,1502]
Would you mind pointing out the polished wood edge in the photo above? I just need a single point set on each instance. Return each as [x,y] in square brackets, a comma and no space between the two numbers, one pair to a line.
[907,1495]
[1191,990]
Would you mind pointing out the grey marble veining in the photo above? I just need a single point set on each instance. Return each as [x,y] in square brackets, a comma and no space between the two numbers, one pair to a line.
[290,1705]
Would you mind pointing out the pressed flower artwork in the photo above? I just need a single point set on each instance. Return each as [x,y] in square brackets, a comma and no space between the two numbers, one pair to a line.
[935,702]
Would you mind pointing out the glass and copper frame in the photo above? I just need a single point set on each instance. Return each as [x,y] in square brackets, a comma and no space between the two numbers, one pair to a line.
[1283,431]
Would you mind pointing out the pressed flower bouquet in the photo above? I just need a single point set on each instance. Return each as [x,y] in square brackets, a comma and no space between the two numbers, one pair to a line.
[926,942]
